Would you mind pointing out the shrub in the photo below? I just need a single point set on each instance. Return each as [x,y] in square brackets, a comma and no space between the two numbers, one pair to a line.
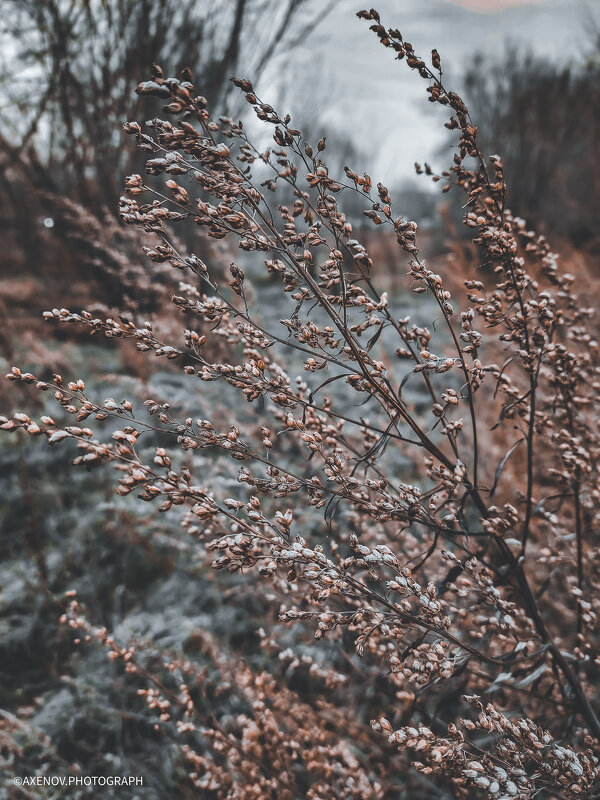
[545,117]
[439,543]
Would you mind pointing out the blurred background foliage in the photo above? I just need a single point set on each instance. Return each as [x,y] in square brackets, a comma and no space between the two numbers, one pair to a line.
[544,118]
[67,80]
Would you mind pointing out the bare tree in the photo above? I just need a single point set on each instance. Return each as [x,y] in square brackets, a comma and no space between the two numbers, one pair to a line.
[67,83]
[545,117]
[72,68]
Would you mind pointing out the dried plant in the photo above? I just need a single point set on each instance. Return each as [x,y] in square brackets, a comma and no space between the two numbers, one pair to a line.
[455,594]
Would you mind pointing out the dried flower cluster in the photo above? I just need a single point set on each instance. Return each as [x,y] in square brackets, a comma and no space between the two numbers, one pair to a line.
[455,593]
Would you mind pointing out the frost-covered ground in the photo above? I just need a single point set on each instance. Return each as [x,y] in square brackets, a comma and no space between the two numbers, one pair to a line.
[136,572]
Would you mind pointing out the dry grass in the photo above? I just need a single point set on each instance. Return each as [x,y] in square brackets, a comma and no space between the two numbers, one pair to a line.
[446,550]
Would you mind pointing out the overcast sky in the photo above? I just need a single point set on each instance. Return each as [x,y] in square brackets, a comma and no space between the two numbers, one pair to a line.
[344,78]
